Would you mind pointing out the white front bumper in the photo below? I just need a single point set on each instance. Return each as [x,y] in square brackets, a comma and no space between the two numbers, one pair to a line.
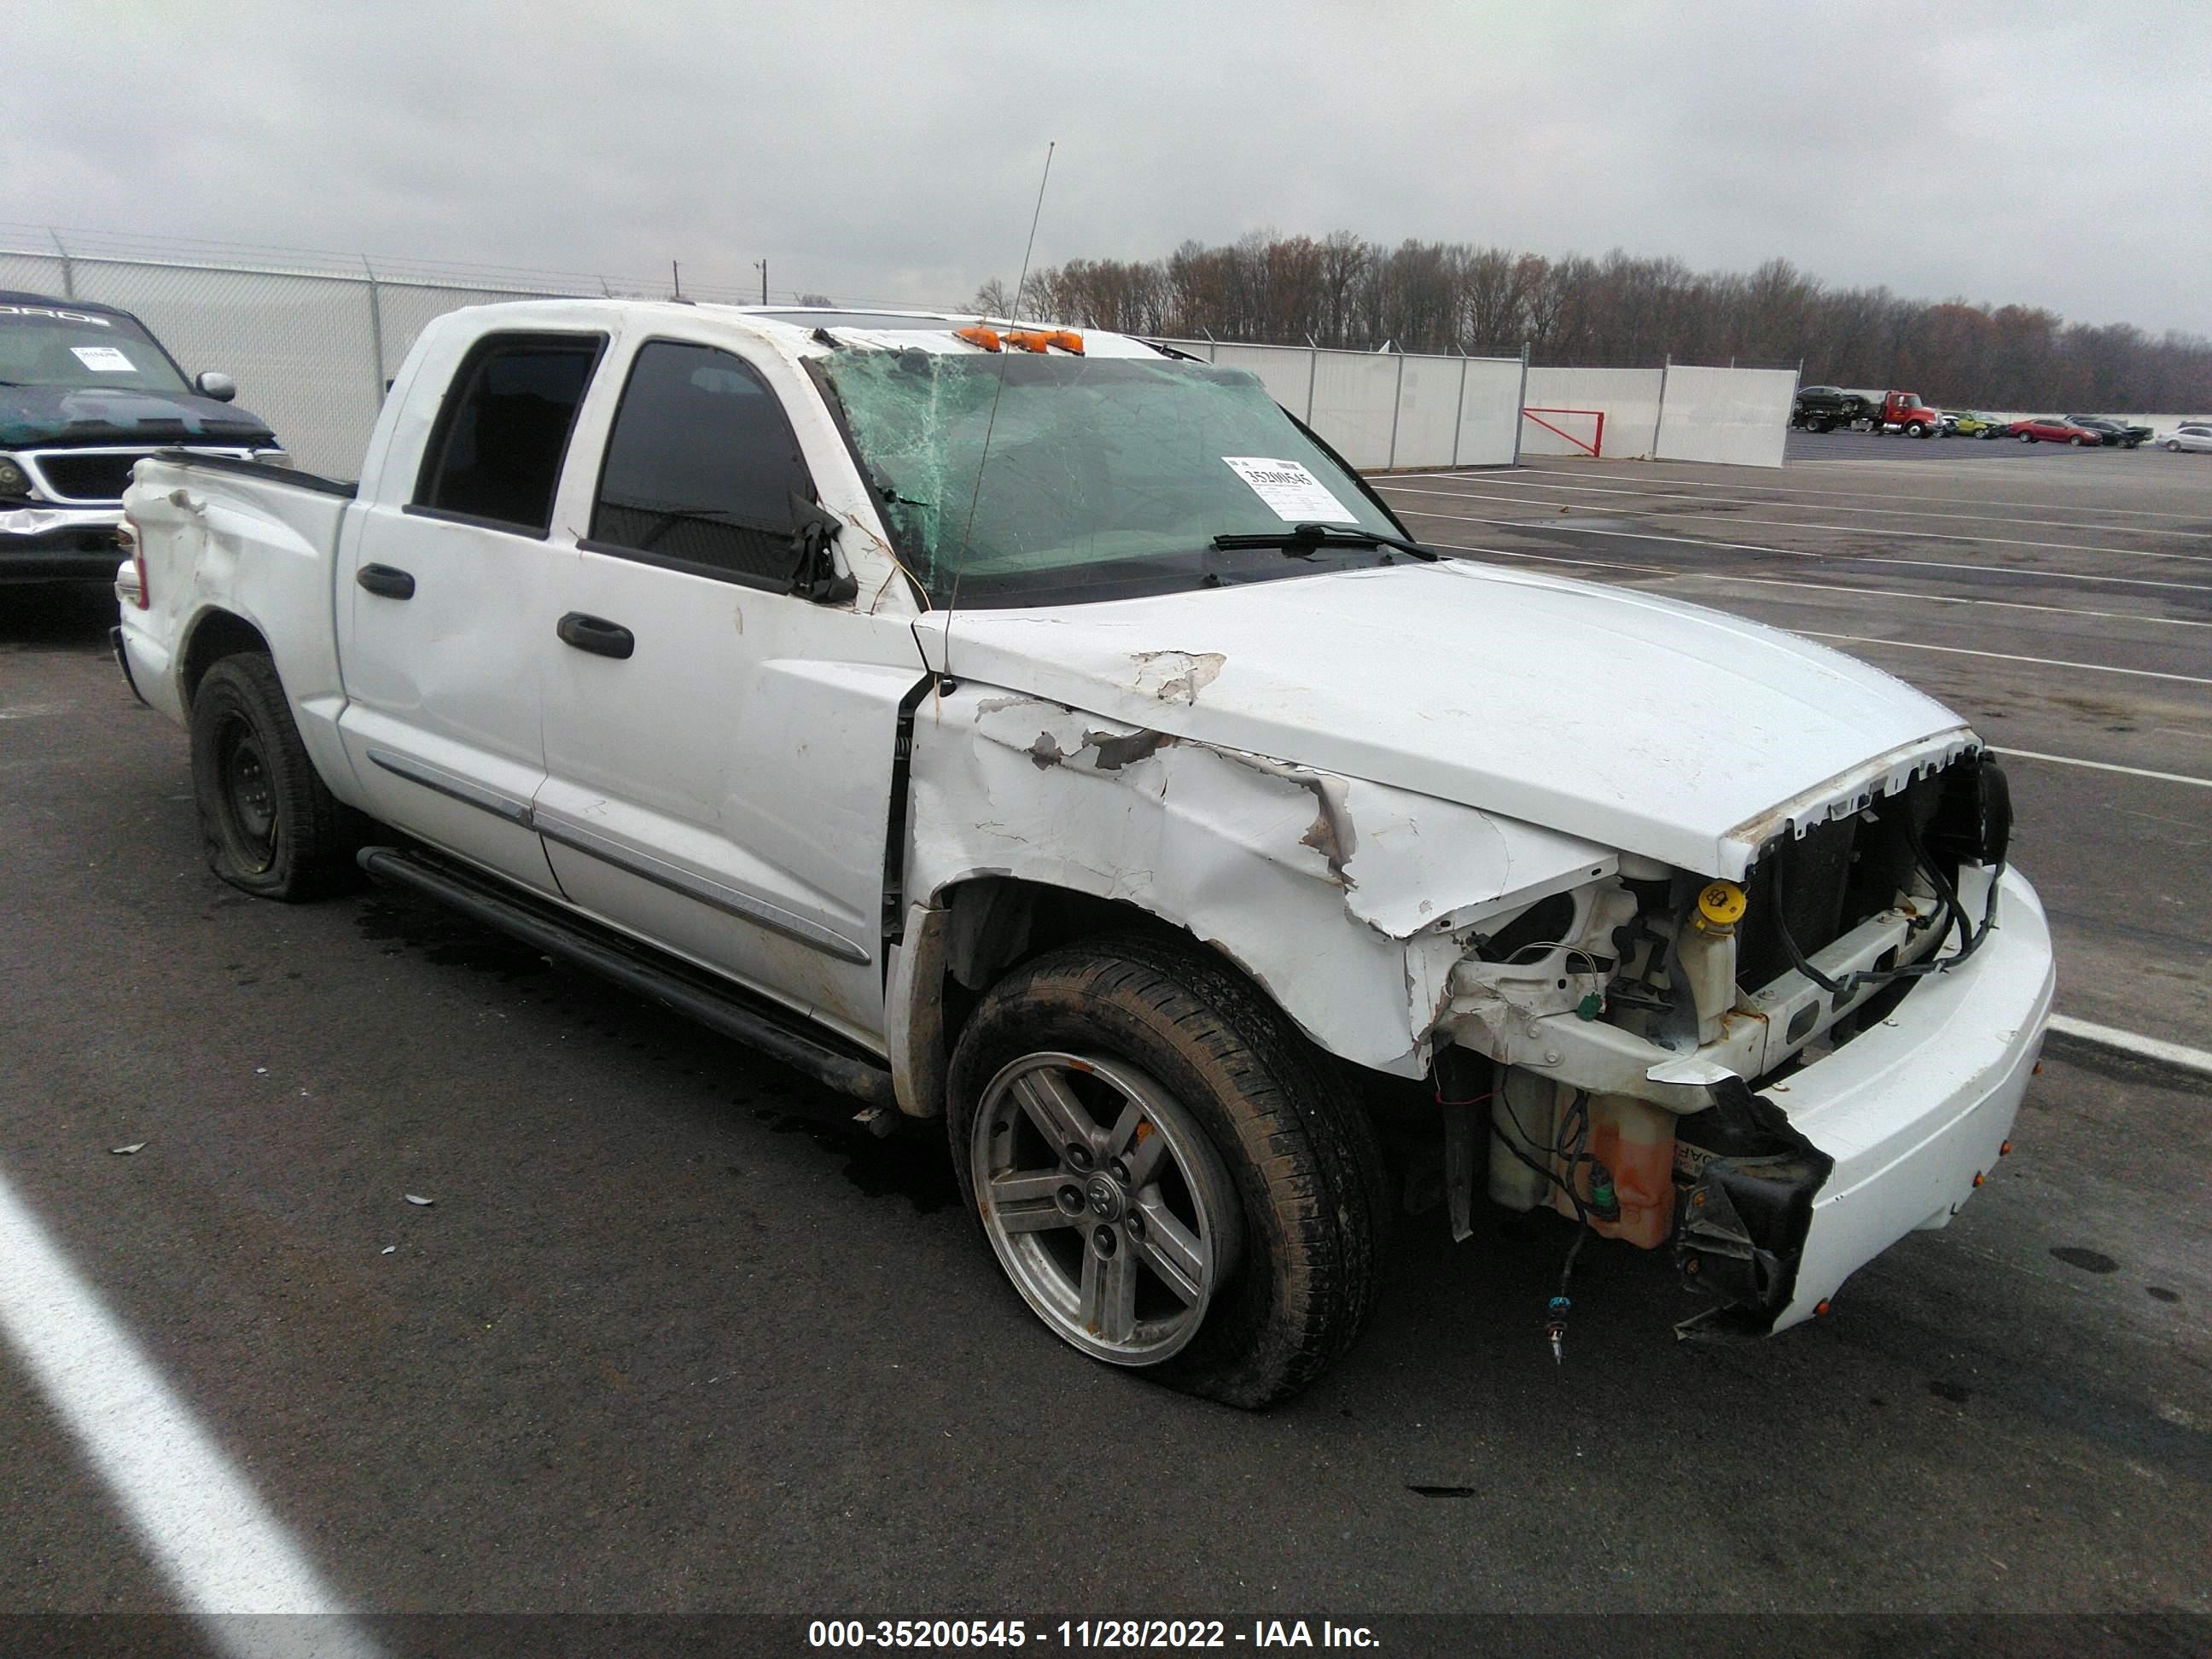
[1913,1109]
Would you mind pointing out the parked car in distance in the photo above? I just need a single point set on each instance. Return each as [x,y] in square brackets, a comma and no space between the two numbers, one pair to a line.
[2054,429]
[1134,798]
[2115,434]
[2190,435]
[1971,423]
[86,393]
[1824,407]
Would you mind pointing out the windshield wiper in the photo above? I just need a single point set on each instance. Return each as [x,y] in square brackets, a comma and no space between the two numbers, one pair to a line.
[1306,537]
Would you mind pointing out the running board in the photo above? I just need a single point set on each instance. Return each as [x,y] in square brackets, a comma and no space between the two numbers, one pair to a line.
[636,968]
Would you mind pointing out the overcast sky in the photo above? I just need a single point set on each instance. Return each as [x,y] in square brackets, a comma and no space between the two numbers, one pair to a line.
[2060,155]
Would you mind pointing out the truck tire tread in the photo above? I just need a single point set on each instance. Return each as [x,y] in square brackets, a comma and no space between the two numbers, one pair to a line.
[315,839]
[1308,1168]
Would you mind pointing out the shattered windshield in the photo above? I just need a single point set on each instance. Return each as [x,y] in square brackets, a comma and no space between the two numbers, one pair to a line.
[1108,475]
[60,346]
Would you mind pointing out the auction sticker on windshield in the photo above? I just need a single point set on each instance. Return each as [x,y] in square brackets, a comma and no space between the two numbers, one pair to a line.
[1295,493]
[105,360]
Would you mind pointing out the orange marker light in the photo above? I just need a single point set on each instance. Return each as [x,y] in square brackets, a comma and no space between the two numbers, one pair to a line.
[1821,1307]
[1977,1177]
[986,337]
[2005,1150]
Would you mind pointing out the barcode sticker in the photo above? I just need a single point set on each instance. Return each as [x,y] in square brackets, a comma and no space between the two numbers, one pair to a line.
[1296,496]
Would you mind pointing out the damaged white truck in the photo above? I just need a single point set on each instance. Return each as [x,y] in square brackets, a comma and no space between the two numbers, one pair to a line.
[1042,733]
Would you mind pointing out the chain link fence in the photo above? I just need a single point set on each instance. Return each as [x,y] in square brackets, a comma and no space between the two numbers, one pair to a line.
[313,339]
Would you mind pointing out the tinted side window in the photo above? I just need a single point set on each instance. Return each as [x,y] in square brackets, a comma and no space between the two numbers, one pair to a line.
[701,467]
[496,452]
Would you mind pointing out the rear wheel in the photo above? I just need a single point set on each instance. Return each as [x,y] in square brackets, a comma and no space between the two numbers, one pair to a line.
[1171,1176]
[269,825]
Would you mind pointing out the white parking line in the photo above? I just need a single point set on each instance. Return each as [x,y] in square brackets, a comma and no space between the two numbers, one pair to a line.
[1500,475]
[2133,1043]
[1586,530]
[1681,494]
[1565,523]
[1829,587]
[199,1519]
[2022,570]
[2006,656]
[2104,766]
[1939,599]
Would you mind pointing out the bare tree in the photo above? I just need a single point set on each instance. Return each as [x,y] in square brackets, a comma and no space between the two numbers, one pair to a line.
[1342,291]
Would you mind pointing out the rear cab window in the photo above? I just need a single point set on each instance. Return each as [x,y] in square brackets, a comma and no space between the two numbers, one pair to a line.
[494,457]
[702,472]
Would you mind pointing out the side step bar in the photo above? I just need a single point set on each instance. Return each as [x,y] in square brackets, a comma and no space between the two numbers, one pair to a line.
[674,986]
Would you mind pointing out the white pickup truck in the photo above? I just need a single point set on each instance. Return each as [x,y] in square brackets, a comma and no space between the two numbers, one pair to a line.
[1048,734]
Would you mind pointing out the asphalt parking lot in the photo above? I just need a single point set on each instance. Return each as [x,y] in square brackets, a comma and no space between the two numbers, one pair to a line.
[669,1339]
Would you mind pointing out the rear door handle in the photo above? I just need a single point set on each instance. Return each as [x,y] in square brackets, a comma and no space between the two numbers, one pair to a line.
[385,582]
[596,635]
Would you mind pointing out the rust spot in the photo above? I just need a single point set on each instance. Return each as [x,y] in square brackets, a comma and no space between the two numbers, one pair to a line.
[1322,837]
[1176,676]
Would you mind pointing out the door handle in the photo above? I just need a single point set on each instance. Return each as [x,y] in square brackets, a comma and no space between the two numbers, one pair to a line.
[385,582]
[596,635]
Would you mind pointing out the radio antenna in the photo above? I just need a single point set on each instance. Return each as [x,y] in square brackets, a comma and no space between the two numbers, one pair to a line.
[1014,309]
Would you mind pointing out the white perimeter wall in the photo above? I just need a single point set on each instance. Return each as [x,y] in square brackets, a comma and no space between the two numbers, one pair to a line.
[310,352]
[1629,397]
[1739,415]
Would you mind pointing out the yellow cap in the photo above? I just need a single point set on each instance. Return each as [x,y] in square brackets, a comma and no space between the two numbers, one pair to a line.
[1722,904]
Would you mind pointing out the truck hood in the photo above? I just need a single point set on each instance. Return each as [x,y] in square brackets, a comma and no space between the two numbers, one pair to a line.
[47,415]
[1642,724]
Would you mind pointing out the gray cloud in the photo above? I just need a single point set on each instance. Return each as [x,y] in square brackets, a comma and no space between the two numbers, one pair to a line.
[886,152]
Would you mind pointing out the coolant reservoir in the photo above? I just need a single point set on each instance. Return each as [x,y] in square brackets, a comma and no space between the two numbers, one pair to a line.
[1635,1142]
[1706,946]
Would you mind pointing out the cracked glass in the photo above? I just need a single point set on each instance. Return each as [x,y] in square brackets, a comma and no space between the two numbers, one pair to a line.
[1107,477]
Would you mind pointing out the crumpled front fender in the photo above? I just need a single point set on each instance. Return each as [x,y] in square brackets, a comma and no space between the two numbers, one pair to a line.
[1349,901]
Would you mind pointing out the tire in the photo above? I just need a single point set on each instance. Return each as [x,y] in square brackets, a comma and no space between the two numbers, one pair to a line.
[1918,429]
[2027,437]
[1824,426]
[2173,445]
[1261,1140]
[270,827]
[2078,442]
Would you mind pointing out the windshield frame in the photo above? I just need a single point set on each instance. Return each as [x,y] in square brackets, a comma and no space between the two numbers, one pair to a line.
[1065,585]
[32,309]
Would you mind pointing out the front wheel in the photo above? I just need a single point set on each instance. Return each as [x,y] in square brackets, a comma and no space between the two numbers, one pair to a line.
[2173,445]
[2027,437]
[1171,1176]
[2078,442]
[1919,429]
[269,825]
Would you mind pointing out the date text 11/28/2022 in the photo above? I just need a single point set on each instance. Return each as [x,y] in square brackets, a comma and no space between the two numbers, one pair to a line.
[940,1634]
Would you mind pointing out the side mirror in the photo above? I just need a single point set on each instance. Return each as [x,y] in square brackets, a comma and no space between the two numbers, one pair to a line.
[815,574]
[209,383]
